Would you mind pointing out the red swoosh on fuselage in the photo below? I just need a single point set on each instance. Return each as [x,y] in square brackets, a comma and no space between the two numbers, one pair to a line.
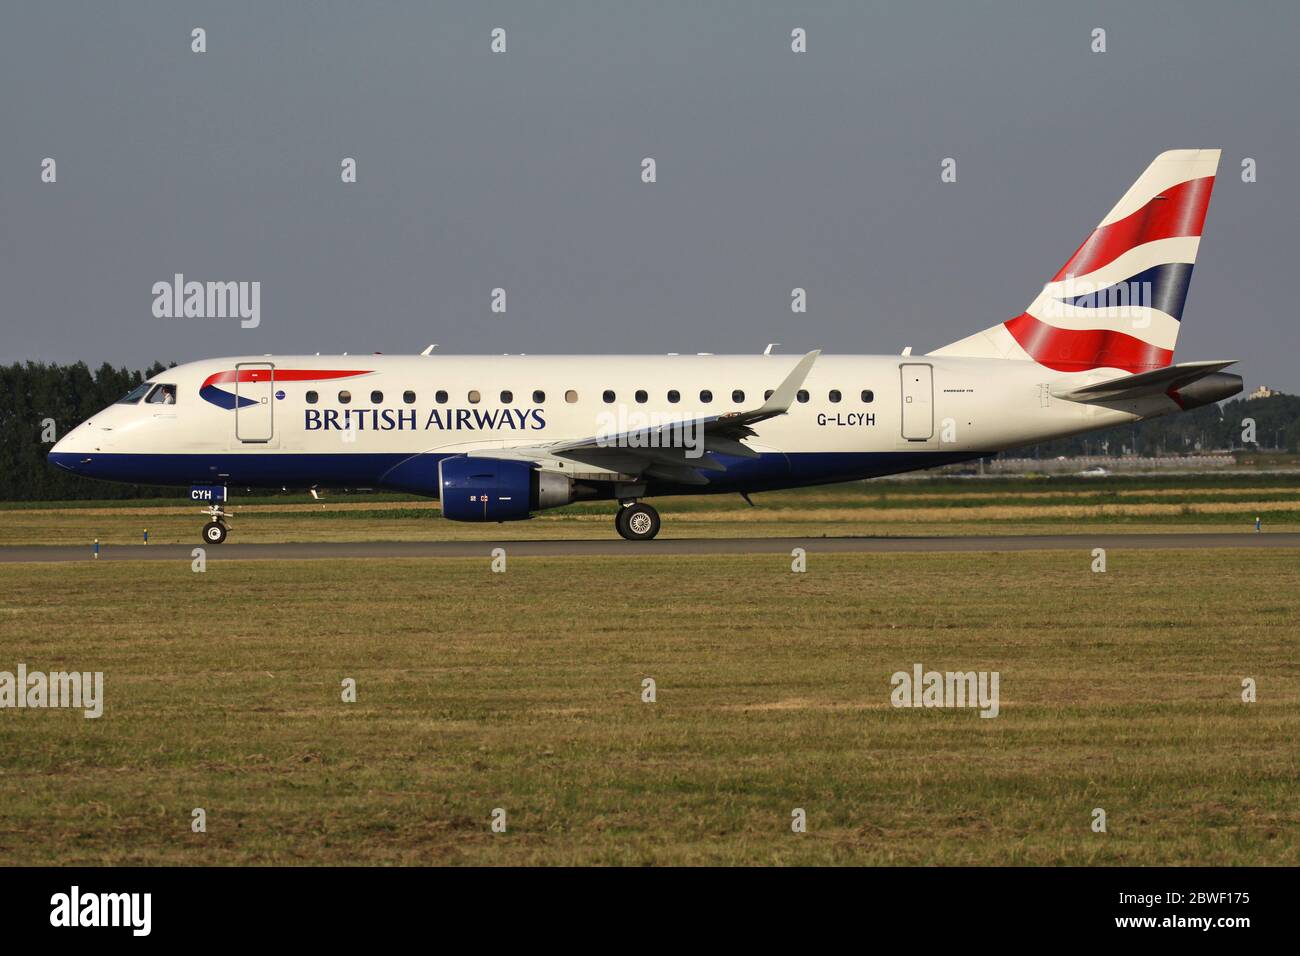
[280,375]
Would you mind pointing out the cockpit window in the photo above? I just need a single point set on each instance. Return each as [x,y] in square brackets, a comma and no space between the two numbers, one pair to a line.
[162,395]
[133,396]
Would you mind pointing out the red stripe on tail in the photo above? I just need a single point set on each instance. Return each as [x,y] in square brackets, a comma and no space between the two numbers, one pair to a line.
[1077,350]
[1178,211]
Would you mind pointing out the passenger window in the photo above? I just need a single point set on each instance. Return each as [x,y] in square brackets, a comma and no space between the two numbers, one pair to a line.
[345,398]
[538,397]
[311,398]
[376,398]
[162,395]
[440,397]
[608,397]
[570,396]
[834,396]
[137,393]
[474,396]
[507,397]
[801,395]
[737,396]
[641,396]
[868,395]
[674,396]
[409,397]
[705,396]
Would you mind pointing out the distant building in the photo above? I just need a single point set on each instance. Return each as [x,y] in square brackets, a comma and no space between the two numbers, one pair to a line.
[1262,392]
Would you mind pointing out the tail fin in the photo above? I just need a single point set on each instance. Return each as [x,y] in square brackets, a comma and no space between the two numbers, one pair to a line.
[1118,301]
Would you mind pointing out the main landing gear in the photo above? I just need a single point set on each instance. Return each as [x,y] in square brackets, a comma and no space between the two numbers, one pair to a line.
[637,522]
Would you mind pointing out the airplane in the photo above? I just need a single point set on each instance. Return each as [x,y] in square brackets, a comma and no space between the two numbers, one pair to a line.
[501,438]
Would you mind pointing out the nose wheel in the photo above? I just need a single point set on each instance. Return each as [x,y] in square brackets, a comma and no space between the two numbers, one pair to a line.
[214,532]
[637,522]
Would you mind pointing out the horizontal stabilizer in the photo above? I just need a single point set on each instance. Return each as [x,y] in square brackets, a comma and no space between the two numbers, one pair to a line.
[1160,381]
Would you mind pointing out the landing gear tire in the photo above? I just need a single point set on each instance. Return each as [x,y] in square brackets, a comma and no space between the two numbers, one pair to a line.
[637,522]
[214,532]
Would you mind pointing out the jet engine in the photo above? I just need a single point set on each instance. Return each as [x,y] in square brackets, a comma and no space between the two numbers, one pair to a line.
[498,489]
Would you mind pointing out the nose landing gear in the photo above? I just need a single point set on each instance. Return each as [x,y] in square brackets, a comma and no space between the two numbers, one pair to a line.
[637,522]
[214,532]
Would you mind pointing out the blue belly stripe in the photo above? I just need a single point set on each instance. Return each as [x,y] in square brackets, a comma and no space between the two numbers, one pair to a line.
[418,474]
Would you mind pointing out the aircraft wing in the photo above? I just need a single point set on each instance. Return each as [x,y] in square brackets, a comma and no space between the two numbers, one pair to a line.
[676,451]
[1156,382]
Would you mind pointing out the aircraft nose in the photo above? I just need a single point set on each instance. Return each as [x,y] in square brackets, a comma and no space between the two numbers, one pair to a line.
[68,452]
[61,457]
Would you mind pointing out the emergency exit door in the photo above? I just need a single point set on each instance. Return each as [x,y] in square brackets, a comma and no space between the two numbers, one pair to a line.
[918,401]
[254,405]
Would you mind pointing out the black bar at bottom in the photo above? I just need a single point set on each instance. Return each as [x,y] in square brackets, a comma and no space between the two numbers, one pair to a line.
[906,905]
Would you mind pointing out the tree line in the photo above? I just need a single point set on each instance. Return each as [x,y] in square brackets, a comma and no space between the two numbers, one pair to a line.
[40,403]
[1238,425]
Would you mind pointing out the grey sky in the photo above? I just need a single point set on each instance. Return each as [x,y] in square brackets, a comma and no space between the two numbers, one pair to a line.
[522,170]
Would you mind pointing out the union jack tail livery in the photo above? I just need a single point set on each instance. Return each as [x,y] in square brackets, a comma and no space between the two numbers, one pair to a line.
[1118,301]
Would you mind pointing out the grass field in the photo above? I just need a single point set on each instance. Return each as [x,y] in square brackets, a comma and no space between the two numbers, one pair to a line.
[933,507]
[522,691]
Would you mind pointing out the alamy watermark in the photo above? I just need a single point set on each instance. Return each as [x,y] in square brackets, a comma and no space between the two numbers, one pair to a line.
[82,690]
[1123,300]
[76,908]
[208,300]
[922,688]
[627,428]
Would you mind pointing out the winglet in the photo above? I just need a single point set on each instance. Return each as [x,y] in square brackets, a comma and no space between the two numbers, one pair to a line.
[783,397]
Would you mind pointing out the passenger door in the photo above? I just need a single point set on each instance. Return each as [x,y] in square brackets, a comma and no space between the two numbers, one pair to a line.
[255,402]
[918,401]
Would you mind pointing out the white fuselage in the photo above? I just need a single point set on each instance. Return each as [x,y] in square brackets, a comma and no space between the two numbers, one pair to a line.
[347,421]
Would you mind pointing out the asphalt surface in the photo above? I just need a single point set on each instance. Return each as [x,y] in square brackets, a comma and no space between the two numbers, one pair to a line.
[616,547]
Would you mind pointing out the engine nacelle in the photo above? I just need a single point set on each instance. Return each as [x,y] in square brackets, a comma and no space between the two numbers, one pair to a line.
[1211,388]
[498,489]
